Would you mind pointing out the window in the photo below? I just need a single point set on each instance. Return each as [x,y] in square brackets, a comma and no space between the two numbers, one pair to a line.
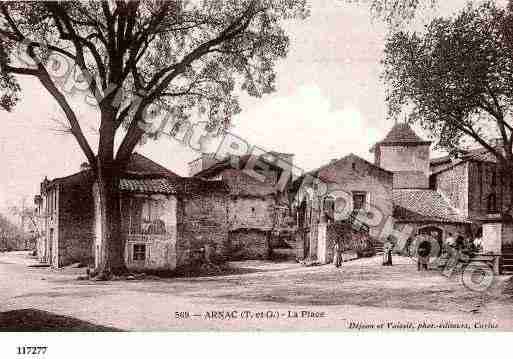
[329,207]
[492,203]
[139,253]
[146,216]
[359,200]
[493,177]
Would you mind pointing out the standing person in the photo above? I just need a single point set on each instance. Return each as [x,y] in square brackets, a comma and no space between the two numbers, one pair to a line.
[478,241]
[460,242]
[450,241]
[423,250]
[337,254]
[387,253]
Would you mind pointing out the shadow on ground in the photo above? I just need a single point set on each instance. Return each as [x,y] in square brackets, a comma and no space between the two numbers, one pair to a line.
[33,320]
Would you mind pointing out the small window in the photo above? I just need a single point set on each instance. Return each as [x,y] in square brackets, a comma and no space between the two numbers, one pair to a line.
[353,165]
[329,207]
[359,200]
[493,177]
[492,203]
[139,252]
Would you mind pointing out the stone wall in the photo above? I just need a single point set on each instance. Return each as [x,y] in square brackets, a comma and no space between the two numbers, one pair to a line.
[410,164]
[482,184]
[356,175]
[352,241]
[241,183]
[251,212]
[160,249]
[249,244]
[202,221]
[76,220]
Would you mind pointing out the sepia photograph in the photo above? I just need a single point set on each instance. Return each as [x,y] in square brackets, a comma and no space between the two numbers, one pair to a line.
[255,165]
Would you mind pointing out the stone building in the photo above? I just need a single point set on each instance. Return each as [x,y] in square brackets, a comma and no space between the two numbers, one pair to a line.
[66,232]
[392,197]
[477,186]
[168,221]
[347,188]
[419,208]
[258,207]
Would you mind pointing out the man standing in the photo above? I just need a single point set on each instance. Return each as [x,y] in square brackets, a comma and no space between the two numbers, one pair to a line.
[337,254]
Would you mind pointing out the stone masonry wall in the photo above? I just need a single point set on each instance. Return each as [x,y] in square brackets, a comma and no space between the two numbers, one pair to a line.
[482,185]
[202,221]
[248,244]
[355,175]
[76,221]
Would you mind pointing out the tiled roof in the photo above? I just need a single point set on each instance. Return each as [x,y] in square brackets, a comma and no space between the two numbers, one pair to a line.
[324,172]
[171,185]
[241,162]
[149,185]
[413,205]
[442,164]
[402,132]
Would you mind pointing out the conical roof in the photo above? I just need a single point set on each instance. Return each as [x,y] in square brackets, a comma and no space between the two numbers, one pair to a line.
[402,133]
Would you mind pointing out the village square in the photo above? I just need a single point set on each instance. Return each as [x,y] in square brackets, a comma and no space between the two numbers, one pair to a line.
[168,217]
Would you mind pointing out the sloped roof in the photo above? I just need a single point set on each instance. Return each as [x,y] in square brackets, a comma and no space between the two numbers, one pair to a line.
[171,186]
[323,174]
[241,162]
[149,185]
[412,205]
[141,165]
[401,133]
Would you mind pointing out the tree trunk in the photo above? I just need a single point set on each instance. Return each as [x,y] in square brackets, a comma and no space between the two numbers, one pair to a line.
[112,250]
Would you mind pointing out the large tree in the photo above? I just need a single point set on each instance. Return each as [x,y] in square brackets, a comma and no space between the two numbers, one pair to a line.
[456,80]
[188,57]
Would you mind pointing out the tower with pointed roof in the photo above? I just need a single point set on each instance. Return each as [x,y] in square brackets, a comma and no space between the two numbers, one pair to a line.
[405,154]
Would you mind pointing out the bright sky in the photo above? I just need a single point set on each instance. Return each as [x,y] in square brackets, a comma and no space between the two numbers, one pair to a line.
[329,102]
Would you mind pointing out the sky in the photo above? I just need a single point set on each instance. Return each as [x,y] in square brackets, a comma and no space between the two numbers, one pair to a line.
[330,101]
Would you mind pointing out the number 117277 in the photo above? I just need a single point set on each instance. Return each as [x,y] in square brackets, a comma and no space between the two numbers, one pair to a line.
[31,350]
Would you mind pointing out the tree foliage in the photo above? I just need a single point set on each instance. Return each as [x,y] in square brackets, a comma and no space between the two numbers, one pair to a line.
[456,79]
[136,58]
[185,56]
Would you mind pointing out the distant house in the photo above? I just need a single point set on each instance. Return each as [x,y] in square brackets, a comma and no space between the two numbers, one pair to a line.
[258,208]
[479,188]
[349,185]
[418,206]
[391,195]
[166,219]
[167,223]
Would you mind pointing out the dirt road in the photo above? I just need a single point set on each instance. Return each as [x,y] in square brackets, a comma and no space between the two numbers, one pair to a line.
[268,296]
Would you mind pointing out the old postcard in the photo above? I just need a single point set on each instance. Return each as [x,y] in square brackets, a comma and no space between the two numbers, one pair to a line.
[256,165]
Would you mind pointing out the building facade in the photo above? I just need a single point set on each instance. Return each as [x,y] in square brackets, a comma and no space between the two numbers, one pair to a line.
[258,206]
